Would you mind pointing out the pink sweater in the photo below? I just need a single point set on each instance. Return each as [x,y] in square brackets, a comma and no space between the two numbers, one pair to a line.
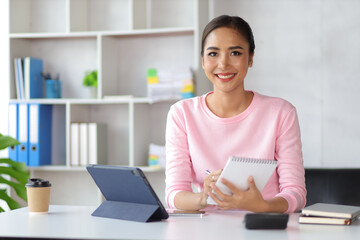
[197,139]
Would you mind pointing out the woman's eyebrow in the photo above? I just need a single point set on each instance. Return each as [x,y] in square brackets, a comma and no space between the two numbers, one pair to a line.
[213,48]
[236,47]
[230,48]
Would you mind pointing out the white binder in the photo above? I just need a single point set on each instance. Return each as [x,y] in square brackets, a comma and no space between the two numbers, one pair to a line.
[97,143]
[84,145]
[74,144]
[13,129]
[23,153]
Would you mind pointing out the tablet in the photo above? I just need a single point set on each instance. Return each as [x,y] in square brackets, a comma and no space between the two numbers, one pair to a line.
[128,194]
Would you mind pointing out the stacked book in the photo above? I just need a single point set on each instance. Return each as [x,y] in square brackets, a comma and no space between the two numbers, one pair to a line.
[157,158]
[333,214]
[165,85]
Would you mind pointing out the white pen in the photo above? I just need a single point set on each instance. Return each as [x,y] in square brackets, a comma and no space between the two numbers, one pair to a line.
[207,171]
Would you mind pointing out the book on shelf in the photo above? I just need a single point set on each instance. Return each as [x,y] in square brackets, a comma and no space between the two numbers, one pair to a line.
[157,158]
[84,144]
[165,84]
[28,77]
[88,143]
[19,78]
[327,213]
[74,144]
[33,68]
[97,143]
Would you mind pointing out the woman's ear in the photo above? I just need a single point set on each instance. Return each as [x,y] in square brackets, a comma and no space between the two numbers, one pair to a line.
[251,59]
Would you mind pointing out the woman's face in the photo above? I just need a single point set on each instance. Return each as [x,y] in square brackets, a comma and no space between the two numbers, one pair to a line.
[226,59]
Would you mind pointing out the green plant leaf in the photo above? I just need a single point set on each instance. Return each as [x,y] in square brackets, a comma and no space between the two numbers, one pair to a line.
[10,202]
[15,170]
[90,79]
[1,210]
[6,141]
[21,177]
[18,166]
[20,189]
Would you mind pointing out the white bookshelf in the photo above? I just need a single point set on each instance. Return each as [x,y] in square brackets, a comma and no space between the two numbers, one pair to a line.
[121,39]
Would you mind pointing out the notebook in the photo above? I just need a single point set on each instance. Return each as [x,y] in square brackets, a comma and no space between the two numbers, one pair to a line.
[238,170]
[325,220]
[331,210]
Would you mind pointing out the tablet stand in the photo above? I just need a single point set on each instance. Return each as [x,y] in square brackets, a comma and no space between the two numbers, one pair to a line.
[128,211]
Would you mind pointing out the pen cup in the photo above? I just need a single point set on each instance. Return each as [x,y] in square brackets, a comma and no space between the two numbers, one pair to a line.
[53,88]
[38,195]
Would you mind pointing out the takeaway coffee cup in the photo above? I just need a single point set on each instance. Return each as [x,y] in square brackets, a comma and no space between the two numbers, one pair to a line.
[38,194]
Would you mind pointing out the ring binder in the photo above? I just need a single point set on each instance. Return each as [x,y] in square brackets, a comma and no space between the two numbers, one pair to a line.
[13,110]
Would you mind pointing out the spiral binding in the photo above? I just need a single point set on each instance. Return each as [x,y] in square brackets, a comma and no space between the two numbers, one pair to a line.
[252,160]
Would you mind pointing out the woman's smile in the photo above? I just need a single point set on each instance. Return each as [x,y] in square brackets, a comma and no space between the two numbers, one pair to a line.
[225,77]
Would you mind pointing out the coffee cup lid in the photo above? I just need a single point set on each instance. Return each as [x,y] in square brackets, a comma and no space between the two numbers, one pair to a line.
[38,182]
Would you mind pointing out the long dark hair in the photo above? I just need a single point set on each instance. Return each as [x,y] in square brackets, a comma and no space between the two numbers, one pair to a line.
[234,22]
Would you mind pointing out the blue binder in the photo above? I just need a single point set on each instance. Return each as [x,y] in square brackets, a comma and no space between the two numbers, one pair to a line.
[23,115]
[33,68]
[13,110]
[40,122]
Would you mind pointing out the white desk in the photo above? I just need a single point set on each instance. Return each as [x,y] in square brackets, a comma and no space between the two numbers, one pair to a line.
[77,222]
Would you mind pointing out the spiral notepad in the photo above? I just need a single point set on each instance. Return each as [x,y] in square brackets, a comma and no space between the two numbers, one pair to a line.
[238,170]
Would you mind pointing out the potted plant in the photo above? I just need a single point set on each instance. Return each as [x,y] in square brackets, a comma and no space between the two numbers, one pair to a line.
[15,170]
[90,80]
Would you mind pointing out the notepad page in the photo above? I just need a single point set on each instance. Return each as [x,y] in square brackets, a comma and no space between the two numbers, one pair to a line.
[238,170]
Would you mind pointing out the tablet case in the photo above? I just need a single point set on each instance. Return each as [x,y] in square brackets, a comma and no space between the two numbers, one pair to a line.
[128,194]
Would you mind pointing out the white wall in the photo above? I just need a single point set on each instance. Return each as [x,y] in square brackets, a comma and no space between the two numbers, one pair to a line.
[4,93]
[308,52]
[4,69]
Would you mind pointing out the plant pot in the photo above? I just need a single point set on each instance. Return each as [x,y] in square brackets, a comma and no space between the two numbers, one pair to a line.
[93,92]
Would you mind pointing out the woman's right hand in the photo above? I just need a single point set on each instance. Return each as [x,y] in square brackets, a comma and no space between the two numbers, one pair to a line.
[208,180]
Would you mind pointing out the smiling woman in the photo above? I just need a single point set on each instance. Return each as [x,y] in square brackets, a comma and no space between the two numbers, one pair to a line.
[226,60]
[204,131]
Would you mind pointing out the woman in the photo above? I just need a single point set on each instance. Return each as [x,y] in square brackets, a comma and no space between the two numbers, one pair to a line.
[202,132]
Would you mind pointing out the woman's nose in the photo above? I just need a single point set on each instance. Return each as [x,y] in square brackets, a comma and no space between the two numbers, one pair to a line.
[223,62]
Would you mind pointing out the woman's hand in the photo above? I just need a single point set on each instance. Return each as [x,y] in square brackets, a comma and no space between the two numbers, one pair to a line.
[250,199]
[208,181]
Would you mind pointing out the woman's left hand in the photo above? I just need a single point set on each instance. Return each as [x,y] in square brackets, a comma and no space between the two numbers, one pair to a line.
[250,199]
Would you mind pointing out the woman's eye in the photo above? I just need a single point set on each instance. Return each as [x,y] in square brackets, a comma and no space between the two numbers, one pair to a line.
[212,54]
[236,53]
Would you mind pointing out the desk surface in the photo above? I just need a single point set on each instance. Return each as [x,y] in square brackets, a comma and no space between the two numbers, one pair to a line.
[77,222]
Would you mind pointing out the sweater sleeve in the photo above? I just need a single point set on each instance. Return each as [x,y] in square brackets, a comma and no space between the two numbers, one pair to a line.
[290,162]
[178,162]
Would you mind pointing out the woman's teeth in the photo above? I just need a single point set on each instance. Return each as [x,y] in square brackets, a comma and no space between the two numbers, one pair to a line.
[226,76]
